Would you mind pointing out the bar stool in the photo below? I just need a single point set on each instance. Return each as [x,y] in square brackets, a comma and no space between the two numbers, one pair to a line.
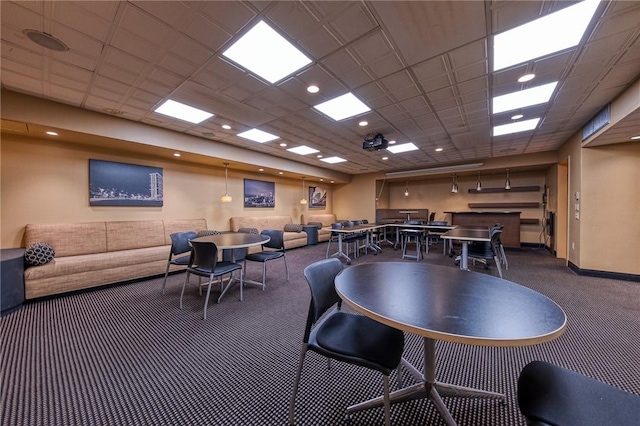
[411,236]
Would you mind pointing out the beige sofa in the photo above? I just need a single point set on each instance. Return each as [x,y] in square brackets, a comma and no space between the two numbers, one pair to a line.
[325,218]
[292,239]
[91,254]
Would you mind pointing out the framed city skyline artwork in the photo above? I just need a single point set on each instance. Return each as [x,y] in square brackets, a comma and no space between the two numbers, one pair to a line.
[259,193]
[122,184]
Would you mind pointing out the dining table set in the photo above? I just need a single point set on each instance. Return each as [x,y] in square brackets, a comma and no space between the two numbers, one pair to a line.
[465,235]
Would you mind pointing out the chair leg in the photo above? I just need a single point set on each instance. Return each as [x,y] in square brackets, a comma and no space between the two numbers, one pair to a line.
[186,279]
[166,274]
[264,274]
[206,300]
[241,283]
[387,401]
[286,268]
[496,259]
[296,384]
[328,246]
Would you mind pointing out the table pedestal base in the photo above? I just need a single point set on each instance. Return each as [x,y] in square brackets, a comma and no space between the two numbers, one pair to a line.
[428,388]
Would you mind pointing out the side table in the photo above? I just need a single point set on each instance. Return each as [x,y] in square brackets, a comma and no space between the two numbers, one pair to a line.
[312,234]
[11,279]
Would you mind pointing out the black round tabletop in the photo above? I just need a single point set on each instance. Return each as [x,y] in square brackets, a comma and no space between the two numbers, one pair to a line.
[232,240]
[446,303]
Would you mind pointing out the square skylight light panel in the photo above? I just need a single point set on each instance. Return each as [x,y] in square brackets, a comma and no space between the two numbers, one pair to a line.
[518,126]
[333,160]
[303,150]
[342,107]
[183,112]
[404,147]
[524,98]
[552,33]
[266,53]
[258,136]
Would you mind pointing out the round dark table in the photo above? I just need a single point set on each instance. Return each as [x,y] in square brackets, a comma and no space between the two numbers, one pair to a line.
[312,234]
[230,241]
[11,279]
[444,303]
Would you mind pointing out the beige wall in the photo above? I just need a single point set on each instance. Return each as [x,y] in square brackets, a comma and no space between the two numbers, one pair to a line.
[610,208]
[47,182]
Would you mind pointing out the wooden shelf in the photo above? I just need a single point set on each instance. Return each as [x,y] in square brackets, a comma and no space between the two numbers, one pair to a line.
[504,205]
[529,221]
[534,188]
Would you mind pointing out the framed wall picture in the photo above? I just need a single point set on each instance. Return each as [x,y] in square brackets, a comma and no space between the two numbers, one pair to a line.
[121,184]
[317,197]
[259,193]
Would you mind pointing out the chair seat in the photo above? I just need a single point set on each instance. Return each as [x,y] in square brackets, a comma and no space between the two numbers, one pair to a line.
[264,256]
[341,333]
[183,260]
[222,268]
[561,397]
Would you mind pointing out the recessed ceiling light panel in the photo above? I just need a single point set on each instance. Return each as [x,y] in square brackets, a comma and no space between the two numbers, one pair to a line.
[258,136]
[551,33]
[519,126]
[266,53]
[403,147]
[342,107]
[333,160]
[524,98]
[183,112]
[302,150]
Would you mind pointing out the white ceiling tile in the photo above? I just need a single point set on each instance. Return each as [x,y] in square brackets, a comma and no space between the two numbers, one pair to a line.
[206,32]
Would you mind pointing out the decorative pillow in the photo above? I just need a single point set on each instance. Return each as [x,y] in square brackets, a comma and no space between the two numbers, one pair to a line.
[248,230]
[206,232]
[39,254]
[316,224]
[292,227]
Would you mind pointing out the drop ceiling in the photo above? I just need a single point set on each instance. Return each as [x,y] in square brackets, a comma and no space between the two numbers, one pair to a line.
[423,67]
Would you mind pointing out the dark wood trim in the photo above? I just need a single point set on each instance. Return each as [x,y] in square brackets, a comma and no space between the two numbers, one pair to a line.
[604,274]
[533,188]
[503,205]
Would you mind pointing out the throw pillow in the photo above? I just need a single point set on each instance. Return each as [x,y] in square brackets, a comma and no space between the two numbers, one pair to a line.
[292,227]
[316,224]
[248,230]
[39,254]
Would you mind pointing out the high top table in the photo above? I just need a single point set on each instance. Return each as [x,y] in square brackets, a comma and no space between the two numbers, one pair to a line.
[466,235]
[444,303]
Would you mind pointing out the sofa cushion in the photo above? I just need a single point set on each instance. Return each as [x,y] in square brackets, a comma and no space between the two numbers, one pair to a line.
[39,254]
[325,218]
[100,263]
[171,226]
[292,227]
[69,239]
[127,235]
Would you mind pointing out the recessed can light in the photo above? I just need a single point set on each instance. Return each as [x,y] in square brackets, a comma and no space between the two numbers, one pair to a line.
[438,149]
[526,77]
[517,116]
[226,127]
[363,123]
[283,144]
[52,133]
[313,89]
[385,158]
[635,138]
[176,154]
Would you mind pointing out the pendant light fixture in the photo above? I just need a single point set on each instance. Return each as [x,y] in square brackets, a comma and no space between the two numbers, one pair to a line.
[406,188]
[303,200]
[479,184]
[226,198]
[454,185]
[507,183]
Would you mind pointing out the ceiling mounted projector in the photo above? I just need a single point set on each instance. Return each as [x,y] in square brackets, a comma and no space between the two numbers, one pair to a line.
[375,143]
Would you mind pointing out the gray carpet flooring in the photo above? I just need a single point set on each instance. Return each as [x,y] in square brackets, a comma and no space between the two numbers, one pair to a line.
[127,355]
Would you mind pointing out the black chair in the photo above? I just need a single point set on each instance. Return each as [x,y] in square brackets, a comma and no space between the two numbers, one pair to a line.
[204,263]
[350,338]
[179,253]
[549,395]
[484,251]
[271,250]
[334,235]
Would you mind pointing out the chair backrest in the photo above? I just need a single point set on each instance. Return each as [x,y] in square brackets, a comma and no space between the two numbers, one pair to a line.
[180,242]
[337,225]
[204,255]
[413,222]
[495,240]
[277,238]
[365,221]
[320,276]
[438,223]
[347,223]
[357,222]
[432,216]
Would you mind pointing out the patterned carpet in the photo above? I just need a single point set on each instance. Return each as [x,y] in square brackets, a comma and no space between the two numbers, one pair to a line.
[127,355]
